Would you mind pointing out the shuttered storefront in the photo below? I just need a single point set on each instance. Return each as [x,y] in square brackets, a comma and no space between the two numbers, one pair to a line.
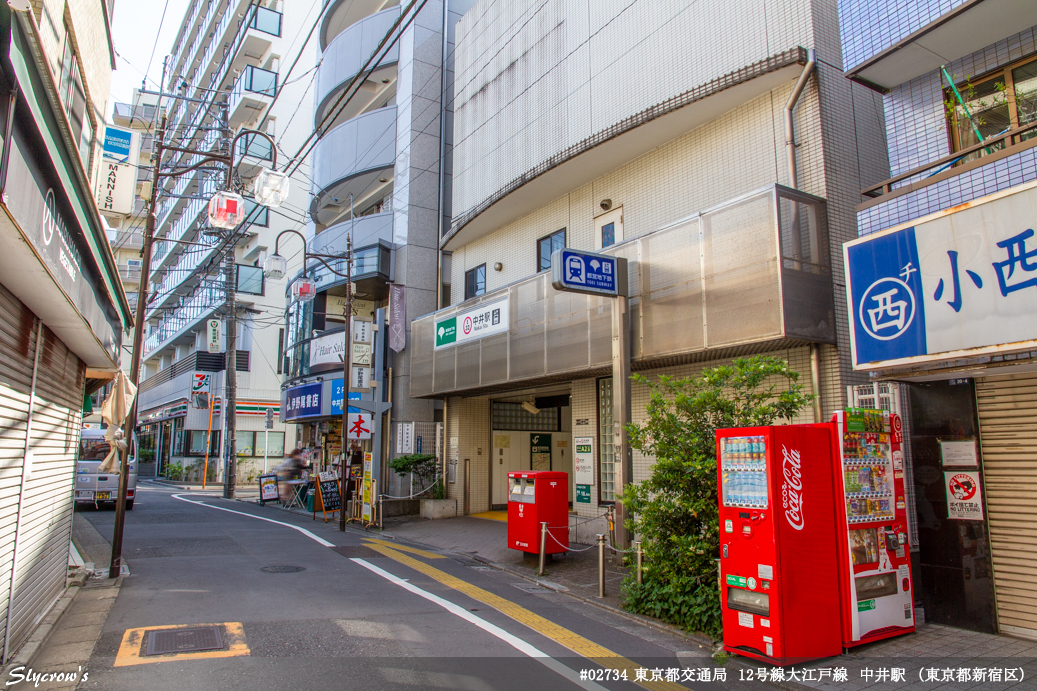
[35,497]
[1008,429]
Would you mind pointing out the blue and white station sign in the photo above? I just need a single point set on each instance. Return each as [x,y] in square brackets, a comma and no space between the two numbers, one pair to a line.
[957,283]
[574,271]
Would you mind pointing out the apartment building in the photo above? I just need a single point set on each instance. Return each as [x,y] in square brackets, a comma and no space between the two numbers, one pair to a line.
[378,176]
[62,308]
[228,69]
[654,130]
[943,288]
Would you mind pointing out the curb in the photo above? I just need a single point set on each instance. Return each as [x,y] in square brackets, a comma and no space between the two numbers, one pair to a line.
[45,628]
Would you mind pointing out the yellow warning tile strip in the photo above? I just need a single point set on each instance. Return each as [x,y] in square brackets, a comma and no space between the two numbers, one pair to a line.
[564,637]
[133,640]
[492,515]
[404,548]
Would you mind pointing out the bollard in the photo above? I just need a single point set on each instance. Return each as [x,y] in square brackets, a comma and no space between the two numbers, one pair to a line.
[640,556]
[543,547]
[601,566]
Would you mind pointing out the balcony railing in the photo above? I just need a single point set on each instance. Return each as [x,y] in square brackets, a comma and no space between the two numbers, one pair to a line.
[751,274]
[266,20]
[205,300]
[258,81]
[255,146]
[129,274]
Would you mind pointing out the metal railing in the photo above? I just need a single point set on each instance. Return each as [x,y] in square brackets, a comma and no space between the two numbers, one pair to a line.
[1005,144]
[266,20]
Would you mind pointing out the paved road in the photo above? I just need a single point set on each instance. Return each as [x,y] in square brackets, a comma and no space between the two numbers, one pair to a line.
[362,614]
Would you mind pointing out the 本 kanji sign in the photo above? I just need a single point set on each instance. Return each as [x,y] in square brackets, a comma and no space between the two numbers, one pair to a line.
[960,282]
[481,321]
[359,426]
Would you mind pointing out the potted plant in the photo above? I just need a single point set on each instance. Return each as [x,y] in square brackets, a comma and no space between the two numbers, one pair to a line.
[425,469]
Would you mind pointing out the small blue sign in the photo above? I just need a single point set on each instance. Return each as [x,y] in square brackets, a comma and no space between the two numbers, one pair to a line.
[588,272]
[337,387]
[417,444]
[302,401]
[117,145]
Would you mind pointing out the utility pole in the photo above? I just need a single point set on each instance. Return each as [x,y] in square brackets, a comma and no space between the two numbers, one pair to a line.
[138,342]
[347,359]
[230,474]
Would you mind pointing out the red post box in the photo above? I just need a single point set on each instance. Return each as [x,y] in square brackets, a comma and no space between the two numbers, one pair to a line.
[535,497]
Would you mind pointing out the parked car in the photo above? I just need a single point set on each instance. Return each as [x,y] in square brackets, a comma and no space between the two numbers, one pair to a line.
[96,488]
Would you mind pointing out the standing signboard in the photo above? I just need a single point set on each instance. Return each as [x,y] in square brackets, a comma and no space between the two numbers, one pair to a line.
[328,496]
[583,461]
[368,487]
[268,488]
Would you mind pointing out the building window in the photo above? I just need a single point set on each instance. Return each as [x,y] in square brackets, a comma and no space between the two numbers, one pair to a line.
[255,444]
[475,281]
[196,443]
[547,246]
[73,98]
[989,106]
[608,229]
[512,416]
[606,453]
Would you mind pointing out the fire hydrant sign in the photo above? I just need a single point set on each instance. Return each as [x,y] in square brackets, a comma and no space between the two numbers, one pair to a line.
[583,468]
[359,426]
[964,498]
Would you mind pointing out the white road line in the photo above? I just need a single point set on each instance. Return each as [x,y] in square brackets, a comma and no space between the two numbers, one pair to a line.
[514,641]
[319,540]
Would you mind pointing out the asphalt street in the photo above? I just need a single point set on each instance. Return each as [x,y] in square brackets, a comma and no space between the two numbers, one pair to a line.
[352,610]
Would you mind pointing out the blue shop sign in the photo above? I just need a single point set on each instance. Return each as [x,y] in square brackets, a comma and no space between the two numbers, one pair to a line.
[303,401]
[337,387]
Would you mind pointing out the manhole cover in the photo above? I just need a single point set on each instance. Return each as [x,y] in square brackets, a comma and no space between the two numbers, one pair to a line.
[283,569]
[531,588]
[183,640]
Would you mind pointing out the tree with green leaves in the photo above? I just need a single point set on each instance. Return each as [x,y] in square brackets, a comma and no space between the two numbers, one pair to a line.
[675,511]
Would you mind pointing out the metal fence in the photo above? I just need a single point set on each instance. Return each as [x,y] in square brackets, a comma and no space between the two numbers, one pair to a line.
[427,437]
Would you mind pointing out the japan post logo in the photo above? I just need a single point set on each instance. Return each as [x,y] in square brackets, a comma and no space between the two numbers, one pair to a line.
[887,309]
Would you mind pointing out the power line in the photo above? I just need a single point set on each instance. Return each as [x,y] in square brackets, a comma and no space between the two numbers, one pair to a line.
[157,36]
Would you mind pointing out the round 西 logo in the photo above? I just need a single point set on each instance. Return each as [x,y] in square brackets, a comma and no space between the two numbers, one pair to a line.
[887,309]
[962,486]
[466,326]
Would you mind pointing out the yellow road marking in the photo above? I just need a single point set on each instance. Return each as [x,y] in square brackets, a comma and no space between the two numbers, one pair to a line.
[492,515]
[133,640]
[412,550]
[564,637]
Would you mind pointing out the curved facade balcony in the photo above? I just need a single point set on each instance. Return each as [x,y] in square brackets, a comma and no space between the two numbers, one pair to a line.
[365,229]
[339,15]
[347,54]
[352,159]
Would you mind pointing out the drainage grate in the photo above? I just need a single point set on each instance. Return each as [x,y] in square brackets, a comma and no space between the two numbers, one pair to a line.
[283,569]
[531,588]
[183,640]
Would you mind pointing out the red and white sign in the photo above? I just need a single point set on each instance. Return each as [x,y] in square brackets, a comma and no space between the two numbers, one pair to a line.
[359,426]
[964,498]
[466,325]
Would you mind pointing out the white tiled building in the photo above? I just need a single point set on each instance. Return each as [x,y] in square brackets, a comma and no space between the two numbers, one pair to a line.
[653,130]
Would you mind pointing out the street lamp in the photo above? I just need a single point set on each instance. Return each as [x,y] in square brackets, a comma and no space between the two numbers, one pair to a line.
[303,290]
[226,210]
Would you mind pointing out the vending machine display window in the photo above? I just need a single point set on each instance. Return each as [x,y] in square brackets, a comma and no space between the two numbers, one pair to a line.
[864,546]
[743,465]
[867,476]
[749,601]
[880,585]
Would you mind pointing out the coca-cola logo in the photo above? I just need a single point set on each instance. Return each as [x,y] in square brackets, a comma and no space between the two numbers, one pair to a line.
[792,487]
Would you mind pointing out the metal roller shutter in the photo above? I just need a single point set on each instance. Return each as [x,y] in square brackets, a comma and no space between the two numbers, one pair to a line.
[46,509]
[1008,430]
[18,332]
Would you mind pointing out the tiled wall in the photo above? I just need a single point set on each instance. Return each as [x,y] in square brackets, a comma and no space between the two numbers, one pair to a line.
[871,26]
[535,77]
[916,129]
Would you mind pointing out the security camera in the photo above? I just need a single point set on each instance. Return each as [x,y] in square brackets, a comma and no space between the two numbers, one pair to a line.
[606,204]
[529,407]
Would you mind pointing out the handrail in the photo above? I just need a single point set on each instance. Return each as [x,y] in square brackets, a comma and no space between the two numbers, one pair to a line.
[886,186]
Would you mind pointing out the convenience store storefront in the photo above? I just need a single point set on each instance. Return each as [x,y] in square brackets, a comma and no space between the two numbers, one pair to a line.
[946,304]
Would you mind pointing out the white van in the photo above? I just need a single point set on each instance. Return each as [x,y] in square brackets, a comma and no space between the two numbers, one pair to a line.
[92,487]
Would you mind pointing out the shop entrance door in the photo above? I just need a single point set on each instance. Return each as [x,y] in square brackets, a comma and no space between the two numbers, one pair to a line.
[955,584]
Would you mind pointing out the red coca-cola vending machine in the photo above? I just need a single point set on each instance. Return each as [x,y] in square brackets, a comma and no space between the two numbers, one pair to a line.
[779,570]
[874,555]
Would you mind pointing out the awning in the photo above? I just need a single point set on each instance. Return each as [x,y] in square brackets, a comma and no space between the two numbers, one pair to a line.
[960,32]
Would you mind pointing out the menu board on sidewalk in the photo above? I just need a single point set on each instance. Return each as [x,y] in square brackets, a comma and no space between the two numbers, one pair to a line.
[268,488]
[328,496]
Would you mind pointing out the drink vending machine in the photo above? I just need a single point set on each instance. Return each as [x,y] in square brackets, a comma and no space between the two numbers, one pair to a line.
[812,523]
[779,576]
[874,559]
